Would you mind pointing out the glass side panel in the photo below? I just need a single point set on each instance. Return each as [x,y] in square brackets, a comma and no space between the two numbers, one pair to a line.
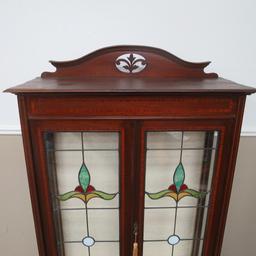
[179,170]
[83,171]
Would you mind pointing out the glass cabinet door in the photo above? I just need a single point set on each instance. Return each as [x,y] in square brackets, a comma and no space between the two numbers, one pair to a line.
[99,196]
[179,167]
[83,173]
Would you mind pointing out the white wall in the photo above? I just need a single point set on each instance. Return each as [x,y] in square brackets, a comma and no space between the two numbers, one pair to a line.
[33,32]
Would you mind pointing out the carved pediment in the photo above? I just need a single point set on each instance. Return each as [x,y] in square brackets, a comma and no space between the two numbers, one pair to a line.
[124,61]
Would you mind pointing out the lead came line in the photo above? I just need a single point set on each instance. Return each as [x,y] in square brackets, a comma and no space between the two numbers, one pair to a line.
[173,207]
[176,206]
[168,149]
[85,203]
[98,241]
[164,240]
[79,150]
[92,208]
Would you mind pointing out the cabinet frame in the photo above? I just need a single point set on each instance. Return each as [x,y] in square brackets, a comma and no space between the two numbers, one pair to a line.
[134,147]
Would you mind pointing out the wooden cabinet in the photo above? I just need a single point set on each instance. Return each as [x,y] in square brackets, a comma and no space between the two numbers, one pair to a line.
[130,150]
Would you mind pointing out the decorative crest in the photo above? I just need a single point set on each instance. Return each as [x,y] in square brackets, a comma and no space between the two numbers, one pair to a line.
[130,63]
[129,59]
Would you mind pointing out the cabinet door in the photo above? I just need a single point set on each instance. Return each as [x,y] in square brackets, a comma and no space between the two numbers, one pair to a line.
[83,187]
[179,163]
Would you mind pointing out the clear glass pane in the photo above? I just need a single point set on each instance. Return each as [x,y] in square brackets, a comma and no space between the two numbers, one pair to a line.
[73,232]
[83,170]
[102,248]
[92,140]
[152,223]
[76,249]
[184,248]
[156,248]
[163,140]
[179,170]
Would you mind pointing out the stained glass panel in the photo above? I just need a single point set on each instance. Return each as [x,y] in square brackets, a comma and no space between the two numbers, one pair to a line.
[83,170]
[179,170]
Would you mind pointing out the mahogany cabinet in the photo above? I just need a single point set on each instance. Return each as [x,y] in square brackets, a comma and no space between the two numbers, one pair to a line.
[130,151]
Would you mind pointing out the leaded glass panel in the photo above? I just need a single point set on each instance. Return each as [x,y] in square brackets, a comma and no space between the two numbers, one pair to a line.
[83,171]
[179,171]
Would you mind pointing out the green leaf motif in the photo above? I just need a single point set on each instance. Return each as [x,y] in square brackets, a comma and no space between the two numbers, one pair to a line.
[195,193]
[179,176]
[84,177]
[104,195]
[158,195]
[86,197]
[68,195]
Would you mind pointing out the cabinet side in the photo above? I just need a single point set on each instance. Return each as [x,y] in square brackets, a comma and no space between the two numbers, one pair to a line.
[27,145]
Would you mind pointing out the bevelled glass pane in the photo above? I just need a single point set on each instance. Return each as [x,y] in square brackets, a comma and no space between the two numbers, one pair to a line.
[83,170]
[179,171]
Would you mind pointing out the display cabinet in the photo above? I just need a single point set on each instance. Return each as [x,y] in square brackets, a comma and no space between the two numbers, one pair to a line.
[130,151]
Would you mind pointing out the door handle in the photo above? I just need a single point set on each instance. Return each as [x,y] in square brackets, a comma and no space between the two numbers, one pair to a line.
[135,243]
